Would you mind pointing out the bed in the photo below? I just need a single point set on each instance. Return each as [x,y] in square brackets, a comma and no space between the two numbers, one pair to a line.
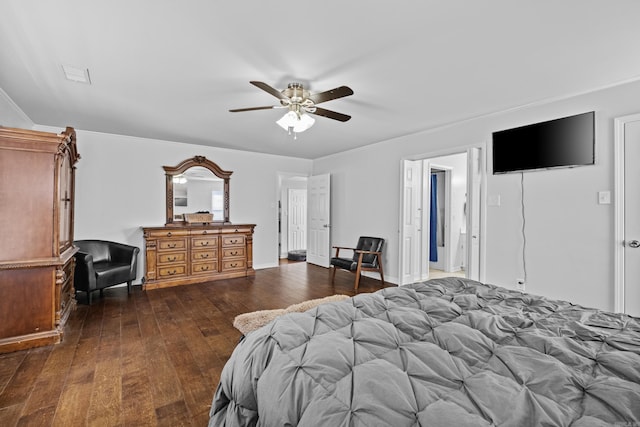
[446,352]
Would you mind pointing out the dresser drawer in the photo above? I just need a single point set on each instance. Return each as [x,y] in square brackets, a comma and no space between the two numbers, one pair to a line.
[236,264]
[169,244]
[204,242]
[159,234]
[169,257]
[204,267]
[174,270]
[235,240]
[203,255]
[233,252]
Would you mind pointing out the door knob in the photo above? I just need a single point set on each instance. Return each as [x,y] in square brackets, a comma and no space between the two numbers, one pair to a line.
[634,244]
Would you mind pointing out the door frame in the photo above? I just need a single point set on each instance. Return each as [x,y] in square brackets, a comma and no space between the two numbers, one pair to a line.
[618,209]
[474,208]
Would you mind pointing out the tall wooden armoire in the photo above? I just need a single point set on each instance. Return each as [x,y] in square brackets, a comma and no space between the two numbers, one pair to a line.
[36,236]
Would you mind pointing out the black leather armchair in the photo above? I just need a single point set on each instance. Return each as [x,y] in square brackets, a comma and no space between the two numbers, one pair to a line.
[100,264]
[367,256]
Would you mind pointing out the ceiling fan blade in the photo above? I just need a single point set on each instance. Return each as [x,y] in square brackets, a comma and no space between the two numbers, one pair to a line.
[273,91]
[238,110]
[339,92]
[331,114]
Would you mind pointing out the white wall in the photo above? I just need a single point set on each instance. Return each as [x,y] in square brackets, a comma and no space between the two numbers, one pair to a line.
[120,187]
[569,237]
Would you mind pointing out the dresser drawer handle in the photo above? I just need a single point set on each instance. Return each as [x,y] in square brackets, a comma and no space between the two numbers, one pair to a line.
[204,268]
[234,253]
[204,243]
[171,273]
[169,234]
[234,265]
[173,245]
[204,255]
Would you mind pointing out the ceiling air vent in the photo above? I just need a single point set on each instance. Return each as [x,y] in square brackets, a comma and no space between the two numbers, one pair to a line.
[75,74]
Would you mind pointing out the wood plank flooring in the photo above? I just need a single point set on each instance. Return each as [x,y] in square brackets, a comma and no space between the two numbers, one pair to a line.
[150,358]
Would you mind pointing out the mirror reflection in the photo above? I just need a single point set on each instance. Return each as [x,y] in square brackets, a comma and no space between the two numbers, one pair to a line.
[198,190]
[195,186]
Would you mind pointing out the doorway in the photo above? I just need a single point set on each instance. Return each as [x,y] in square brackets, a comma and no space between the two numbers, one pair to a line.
[438,251]
[292,213]
[451,246]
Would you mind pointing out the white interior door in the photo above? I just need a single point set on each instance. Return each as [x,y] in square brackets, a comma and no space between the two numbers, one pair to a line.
[297,219]
[630,225]
[411,217]
[319,224]
[474,180]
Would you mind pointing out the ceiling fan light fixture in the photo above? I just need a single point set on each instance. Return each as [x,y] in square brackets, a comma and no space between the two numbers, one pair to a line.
[294,122]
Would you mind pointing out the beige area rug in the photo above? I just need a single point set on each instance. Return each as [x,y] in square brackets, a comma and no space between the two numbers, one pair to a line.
[248,322]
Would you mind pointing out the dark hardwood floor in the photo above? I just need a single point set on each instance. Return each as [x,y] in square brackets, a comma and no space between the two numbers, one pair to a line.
[149,358]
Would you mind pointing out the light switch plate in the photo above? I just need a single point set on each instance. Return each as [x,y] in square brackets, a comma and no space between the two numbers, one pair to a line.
[493,200]
[604,197]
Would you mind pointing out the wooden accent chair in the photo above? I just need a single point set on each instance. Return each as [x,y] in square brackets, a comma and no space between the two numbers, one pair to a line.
[367,256]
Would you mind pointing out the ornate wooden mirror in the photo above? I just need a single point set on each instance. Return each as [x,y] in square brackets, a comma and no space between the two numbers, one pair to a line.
[197,185]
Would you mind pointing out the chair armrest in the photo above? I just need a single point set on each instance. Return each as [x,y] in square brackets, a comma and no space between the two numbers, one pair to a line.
[120,252]
[84,274]
[337,248]
[125,253]
[360,251]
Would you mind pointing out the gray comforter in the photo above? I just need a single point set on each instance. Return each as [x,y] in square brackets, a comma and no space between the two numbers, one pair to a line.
[448,352]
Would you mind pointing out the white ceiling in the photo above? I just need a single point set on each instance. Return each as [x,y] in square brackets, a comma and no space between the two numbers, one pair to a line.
[171,70]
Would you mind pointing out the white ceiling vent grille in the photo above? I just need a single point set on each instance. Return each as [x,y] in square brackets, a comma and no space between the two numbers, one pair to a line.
[75,74]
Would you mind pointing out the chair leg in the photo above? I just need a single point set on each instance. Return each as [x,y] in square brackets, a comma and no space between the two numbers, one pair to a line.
[89,297]
[129,287]
[333,275]
[381,273]
[358,271]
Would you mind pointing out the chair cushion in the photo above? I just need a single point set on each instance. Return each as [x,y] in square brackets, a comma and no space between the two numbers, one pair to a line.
[109,273]
[344,263]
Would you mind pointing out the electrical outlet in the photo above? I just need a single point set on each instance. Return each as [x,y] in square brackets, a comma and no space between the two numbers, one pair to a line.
[520,285]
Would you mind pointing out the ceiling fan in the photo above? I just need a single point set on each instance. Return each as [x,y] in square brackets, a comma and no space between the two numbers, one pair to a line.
[301,102]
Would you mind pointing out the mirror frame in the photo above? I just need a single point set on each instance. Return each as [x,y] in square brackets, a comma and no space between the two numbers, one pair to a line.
[171,171]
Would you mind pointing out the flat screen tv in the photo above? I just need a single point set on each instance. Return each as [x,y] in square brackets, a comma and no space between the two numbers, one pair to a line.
[564,142]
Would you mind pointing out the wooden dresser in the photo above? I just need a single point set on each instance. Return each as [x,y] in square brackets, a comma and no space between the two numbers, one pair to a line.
[186,254]
[37,178]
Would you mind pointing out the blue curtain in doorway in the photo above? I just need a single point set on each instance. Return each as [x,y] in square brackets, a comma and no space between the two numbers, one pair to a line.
[433,220]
